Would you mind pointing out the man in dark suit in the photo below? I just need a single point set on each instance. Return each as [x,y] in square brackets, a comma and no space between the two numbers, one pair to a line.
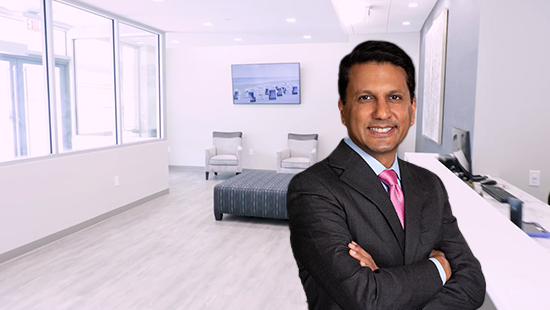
[363,240]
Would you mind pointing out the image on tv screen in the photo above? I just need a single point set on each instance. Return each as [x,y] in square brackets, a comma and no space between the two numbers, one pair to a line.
[266,83]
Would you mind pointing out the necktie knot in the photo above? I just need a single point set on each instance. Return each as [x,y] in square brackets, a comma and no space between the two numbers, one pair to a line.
[389,177]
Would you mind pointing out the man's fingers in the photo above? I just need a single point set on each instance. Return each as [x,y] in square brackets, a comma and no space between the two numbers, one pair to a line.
[362,256]
[363,261]
[435,253]
[440,256]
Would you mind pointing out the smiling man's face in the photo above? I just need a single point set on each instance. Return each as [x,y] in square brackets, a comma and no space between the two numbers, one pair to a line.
[378,110]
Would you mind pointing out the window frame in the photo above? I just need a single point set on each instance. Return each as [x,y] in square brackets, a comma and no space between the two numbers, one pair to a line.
[64,64]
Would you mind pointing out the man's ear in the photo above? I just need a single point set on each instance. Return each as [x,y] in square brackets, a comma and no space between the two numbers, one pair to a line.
[341,108]
[413,110]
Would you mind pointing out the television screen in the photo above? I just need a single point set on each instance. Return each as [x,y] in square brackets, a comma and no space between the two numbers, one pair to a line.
[277,83]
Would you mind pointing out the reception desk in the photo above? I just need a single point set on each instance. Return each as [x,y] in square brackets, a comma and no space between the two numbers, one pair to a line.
[516,267]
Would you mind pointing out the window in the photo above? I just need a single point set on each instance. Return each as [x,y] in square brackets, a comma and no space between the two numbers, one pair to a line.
[24,113]
[87,108]
[139,74]
[87,114]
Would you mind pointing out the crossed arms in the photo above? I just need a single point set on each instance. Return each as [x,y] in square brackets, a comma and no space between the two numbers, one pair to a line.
[366,260]
[320,234]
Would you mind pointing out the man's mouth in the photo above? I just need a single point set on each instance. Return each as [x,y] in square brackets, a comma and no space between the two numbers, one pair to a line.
[380,129]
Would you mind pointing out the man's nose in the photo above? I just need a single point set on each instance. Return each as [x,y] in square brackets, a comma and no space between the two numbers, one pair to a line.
[381,110]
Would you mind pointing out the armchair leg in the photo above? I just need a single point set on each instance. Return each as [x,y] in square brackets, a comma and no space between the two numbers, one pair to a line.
[215,173]
[206,175]
[238,173]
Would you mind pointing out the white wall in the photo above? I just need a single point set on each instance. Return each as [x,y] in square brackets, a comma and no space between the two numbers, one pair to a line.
[512,123]
[199,99]
[44,196]
[460,73]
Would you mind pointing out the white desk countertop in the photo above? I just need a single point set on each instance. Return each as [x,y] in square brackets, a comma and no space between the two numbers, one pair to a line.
[516,266]
[534,210]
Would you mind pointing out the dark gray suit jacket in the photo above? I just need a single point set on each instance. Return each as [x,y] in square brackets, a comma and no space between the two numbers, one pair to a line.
[341,199]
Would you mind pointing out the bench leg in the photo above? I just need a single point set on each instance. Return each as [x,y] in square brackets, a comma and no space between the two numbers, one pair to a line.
[206,175]
[218,216]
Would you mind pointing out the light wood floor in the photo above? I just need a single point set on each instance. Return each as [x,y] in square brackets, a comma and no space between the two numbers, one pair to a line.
[168,253]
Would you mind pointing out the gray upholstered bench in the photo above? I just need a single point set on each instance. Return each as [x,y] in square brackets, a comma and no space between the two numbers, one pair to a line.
[253,193]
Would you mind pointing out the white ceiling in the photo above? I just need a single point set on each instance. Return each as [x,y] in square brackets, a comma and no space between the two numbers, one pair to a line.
[264,21]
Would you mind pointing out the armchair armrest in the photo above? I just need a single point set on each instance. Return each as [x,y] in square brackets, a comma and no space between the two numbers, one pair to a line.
[239,154]
[208,153]
[282,155]
[312,157]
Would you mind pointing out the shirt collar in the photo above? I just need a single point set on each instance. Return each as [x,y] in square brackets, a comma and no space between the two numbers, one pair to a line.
[375,165]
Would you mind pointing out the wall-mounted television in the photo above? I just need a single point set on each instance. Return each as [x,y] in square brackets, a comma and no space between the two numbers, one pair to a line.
[274,83]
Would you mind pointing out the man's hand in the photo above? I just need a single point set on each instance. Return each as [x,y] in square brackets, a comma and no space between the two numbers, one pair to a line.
[362,256]
[440,256]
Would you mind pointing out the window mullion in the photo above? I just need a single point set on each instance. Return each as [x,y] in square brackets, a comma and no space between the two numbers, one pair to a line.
[48,58]
[116,63]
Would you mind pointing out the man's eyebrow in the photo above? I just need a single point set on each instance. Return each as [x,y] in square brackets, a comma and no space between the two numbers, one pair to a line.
[363,91]
[396,91]
[368,92]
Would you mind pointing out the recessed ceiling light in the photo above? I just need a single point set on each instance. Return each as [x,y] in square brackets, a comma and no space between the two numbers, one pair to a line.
[158,0]
[208,24]
[238,40]
[350,12]
[406,23]
[307,37]
[291,20]
[175,41]
[413,4]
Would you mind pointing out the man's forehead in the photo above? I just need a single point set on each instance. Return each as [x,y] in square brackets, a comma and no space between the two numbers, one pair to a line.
[387,66]
[391,80]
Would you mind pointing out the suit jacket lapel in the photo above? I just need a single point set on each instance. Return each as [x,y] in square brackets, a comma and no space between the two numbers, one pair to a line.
[413,211]
[358,174]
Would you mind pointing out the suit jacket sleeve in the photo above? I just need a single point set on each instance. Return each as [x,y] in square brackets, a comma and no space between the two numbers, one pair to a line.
[466,287]
[319,238]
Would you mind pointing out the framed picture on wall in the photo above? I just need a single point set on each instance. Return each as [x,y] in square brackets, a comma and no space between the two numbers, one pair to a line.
[274,83]
[435,47]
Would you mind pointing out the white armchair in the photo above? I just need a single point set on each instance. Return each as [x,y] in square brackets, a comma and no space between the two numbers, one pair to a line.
[226,153]
[300,154]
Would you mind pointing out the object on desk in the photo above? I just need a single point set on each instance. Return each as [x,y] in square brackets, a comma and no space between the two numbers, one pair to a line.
[463,155]
[477,188]
[452,163]
[534,229]
[516,211]
[489,182]
[498,193]
[447,160]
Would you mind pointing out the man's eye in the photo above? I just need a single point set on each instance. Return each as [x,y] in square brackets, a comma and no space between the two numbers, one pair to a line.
[365,97]
[395,97]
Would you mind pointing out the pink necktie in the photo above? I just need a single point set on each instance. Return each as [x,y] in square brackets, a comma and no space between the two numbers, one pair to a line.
[389,177]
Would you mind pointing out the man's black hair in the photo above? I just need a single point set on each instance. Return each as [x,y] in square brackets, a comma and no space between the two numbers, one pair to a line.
[378,52]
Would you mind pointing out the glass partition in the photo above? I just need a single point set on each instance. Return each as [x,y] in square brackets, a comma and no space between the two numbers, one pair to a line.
[139,87]
[87,114]
[24,113]
[86,108]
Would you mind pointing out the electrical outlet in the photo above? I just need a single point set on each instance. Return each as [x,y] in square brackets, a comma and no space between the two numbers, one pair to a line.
[251,152]
[534,178]
[117,181]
